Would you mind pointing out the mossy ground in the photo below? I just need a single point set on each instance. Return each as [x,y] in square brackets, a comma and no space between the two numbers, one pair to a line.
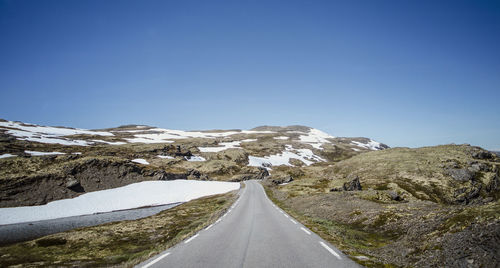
[376,231]
[118,244]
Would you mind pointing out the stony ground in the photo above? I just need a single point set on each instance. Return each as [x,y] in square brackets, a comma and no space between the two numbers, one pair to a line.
[402,207]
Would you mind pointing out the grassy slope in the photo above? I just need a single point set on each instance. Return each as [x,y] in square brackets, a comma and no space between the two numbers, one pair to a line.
[122,243]
[379,232]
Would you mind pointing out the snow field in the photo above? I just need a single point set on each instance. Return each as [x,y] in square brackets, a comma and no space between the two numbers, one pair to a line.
[147,193]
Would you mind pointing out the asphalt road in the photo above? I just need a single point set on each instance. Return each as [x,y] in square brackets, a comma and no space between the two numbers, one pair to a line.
[253,233]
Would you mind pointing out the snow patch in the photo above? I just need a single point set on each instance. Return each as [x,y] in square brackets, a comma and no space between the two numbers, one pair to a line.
[147,193]
[304,155]
[171,134]
[110,142]
[222,146]
[7,155]
[281,138]
[166,156]
[140,161]
[371,145]
[316,138]
[248,140]
[147,140]
[53,131]
[35,153]
[196,158]
[45,138]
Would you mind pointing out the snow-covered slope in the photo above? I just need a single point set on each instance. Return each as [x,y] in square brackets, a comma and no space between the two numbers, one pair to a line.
[53,135]
[148,193]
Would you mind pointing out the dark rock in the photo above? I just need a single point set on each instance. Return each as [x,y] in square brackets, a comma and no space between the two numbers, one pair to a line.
[74,185]
[6,138]
[193,174]
[493,184]
[475,166]
[283,179]
[482,155]
[336,189]
[353,185]
[261,174]
[50,241]
[462,174]
[466,194]
[267,165]
[395,196]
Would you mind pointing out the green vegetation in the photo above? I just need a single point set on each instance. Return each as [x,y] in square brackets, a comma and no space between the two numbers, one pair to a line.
[408,213]
[350,238]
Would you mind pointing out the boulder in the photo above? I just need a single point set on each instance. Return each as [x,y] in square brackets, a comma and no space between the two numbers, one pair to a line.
[395,196]
[72,182]
[336,189]
[353,185]
[193,174]
[466,194]
[475,166]
[260,174]
[460,174]
[483,155]
[282,179]
[493,184]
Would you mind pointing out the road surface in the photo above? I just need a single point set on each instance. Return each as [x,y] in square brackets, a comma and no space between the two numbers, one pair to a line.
[253,233]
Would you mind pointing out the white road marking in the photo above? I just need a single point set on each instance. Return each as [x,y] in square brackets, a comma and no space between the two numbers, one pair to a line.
[305,230]
[217,221]
[229,211]
[192,237]
[156,260]
[330,250]
[286,215]
[208,227]
[294,222]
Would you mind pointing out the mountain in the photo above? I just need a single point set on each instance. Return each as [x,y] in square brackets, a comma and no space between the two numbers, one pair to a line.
[434,206]
[61,162]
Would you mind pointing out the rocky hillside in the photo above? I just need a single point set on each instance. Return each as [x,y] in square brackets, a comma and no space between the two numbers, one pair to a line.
[39,164]
[427,207]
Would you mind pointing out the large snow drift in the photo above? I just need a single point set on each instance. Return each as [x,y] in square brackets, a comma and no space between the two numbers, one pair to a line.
[148,193]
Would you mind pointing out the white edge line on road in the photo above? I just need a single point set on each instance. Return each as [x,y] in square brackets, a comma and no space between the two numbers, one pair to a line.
[156,260]
[192,237]
[210,226]
[305,230]
[217,221]
[286,215]
[330,250]
[294,222]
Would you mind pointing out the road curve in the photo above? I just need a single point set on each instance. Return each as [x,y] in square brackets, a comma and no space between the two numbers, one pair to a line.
[253,233]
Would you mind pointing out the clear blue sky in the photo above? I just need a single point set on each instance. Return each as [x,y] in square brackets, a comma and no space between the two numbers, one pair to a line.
[407,73]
